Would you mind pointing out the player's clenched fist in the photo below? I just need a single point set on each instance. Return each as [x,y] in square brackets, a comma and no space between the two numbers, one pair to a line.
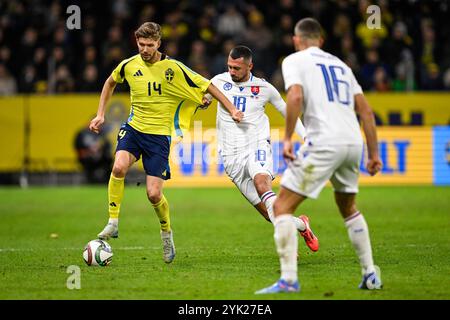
[288,150]
[96,124]
[374,166]
[237,115]
[206,101]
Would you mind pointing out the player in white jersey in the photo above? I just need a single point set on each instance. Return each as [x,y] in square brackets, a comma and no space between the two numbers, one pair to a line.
[324,88]
[245,148]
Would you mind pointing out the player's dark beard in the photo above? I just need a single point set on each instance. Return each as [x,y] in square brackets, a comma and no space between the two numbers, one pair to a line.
[236,79]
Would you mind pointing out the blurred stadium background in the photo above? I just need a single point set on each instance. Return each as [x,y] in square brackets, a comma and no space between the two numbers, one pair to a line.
[50,82]
[51,78]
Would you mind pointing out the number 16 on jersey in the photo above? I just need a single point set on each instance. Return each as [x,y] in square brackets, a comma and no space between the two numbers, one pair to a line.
[332,84]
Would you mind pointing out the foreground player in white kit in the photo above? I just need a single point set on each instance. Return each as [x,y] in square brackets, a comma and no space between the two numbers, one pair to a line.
[245,147]
[324,88]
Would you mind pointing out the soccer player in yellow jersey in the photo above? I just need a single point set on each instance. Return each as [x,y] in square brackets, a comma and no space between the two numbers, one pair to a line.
[159,88]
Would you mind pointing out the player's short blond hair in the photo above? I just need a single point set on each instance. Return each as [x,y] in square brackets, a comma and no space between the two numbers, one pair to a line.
[149,30]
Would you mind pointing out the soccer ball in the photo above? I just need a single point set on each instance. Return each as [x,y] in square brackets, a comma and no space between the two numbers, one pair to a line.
[97,253]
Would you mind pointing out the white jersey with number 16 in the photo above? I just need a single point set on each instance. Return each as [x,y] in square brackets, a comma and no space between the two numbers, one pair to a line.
[329,87]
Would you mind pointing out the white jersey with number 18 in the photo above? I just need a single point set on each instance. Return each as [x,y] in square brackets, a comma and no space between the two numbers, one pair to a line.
[329,87]
[250,97]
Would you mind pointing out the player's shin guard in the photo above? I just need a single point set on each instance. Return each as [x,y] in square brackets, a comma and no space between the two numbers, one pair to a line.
[286,242]
[268,198]
[162,211]
[115,195]
[358,233]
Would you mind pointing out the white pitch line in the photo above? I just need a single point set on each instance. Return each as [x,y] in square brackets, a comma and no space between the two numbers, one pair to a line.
[74,249]
[81,248]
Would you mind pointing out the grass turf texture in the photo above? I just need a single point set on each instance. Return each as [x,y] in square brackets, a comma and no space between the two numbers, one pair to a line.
[225,249]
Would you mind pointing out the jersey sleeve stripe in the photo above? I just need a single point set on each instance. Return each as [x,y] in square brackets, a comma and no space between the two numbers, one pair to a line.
[176,120]
[131,114]
[188,80]
[122,69]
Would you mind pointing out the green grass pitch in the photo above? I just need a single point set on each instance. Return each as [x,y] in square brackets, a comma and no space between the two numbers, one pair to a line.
[225,249]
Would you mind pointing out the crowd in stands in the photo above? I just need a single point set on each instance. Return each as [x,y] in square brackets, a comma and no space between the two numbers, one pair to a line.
[39,54]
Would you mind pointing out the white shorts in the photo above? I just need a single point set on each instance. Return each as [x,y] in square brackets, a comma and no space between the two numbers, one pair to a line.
[243,168]
[315,165]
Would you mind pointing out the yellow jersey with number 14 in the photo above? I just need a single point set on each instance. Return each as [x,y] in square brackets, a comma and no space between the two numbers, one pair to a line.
[164,95]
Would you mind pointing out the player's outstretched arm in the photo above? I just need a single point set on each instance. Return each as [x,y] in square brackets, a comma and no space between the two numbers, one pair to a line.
[107,91]
[278,102]
[368,122]
[235,113]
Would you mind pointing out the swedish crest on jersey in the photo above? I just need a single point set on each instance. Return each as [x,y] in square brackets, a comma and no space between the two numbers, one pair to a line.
[169,75]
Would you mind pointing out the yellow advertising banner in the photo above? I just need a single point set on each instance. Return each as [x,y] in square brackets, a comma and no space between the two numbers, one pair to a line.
[12,126]
[42,129]
[419,109]
[55,122]
[406,154]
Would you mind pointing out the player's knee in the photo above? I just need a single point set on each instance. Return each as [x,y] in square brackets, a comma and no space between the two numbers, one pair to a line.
[119,170]
[260,187]
[154,195]
[262,183]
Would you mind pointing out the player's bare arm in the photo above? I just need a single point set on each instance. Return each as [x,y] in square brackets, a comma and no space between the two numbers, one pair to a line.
[278,102]
[235,113]
[107,91]
[365,112]
[294,104]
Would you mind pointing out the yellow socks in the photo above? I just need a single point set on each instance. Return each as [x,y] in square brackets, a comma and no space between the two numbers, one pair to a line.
[162,211]
[115,195]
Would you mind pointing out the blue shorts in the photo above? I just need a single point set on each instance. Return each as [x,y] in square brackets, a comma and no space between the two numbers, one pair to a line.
[154,148]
